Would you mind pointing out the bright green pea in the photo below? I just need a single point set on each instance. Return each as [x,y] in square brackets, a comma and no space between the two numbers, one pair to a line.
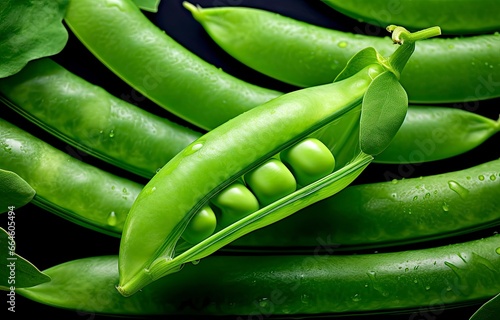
[201,226]
[308,160]
[235,202]
[271,181]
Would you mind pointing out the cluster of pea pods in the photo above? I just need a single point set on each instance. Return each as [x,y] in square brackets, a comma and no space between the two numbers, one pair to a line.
[223,197]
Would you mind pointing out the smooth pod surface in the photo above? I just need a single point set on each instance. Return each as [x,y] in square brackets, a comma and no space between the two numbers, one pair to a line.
[93,120]
[462,17]
[142,55]
[286,285]
[357,115]
[436,133]
[66,186]
[441,70]
[227,153]
[389,213]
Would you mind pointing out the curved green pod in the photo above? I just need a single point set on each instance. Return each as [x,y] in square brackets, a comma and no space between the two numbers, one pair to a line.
[286,285]
[72,189]
[142,55]
[354,117]
[91,119]
[462,17]
[442,70]
[389,213]
[435,133]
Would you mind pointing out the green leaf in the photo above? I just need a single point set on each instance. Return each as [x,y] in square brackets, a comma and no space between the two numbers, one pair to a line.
[30,30]
[488,311]
[358,62]
[383,111]
[16,271]
[14,191]
[148,5]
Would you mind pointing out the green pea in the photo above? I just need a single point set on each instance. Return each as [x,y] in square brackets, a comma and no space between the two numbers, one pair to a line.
[388,213]
[201,226]
[271,181]
[349,107]
[309,160]
[235,202]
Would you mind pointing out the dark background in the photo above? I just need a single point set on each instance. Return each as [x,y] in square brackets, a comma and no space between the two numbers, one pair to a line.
[47,240]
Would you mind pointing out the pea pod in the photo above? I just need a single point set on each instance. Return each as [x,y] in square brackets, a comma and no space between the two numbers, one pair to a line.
[442,70]
[436,133]
[74,190]
[354,218]
[152,63]
[355,116]
[464,17]
[286,285]
[91,119]
[395,212]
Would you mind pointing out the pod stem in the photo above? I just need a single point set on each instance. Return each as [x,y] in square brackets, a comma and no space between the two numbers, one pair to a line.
[406,40]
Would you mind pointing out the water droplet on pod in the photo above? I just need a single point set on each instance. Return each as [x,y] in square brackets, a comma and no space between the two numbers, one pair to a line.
[458,189]
[112,219]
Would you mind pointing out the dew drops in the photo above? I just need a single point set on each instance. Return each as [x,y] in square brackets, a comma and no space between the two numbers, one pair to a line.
[458,189]
[481,177]
[112,219]
[264,302]
[427,288]
[493,177]
[445,207]
[195,262]
[394,181]
[497,250]
[342,44]
[193,148]
[304,298]
[427,195]
[415,198]
[111,133]
[356,298]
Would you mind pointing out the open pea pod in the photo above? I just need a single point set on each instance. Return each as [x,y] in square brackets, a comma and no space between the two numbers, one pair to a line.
[252,167]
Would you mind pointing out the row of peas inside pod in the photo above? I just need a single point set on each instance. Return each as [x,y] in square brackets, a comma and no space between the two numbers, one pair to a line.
[299,165]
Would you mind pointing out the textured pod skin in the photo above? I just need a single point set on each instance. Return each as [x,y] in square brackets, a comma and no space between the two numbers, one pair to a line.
[286,285]
[151,62]
[89,117]
[459,18]
[392,212]
[66,186]
[225,154]
[440,70]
